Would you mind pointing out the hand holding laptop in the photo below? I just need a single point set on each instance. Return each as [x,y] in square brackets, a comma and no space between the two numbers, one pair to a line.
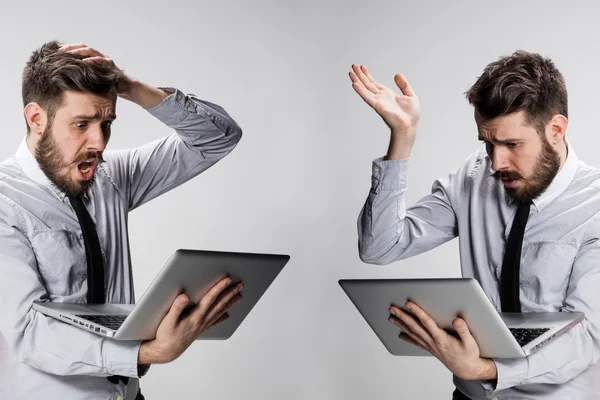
[460,354]
[179,329]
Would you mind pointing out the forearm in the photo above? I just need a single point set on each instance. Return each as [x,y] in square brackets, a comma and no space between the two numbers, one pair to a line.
[144,95]
[60,349]
[559,362]
[388,231]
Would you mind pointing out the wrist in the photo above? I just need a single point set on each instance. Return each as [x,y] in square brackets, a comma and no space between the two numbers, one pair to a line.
[401,143]
[144,95]
[147,354]
[487,371]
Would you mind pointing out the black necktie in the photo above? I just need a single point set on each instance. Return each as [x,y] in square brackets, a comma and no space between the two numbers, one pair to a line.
[93,254]
[95,264]
[509,279]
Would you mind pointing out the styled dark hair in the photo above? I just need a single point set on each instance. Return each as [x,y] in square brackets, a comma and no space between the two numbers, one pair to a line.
[49,73]
[522,81]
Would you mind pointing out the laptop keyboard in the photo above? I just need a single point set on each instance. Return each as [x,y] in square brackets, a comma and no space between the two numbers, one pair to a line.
[110,321]
[526,335]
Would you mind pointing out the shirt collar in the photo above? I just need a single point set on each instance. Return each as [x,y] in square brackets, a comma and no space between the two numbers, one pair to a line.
[560,182]
[32,169]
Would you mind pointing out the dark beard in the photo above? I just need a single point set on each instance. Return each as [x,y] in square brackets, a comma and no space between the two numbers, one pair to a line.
[546,168]
[51,162]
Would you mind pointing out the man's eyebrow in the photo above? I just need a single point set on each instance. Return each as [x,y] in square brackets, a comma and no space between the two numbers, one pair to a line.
[94,116]
[495,140]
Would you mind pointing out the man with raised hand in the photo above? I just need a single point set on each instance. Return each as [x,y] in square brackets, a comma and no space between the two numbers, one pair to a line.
[527,172]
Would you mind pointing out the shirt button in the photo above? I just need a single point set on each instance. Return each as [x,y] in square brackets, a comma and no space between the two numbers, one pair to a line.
[187,103]
[119,397]
[375,170]
[178,96]
[375,182]
[495,398]
[212,117]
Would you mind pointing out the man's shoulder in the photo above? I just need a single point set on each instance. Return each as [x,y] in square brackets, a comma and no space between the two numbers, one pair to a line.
[587,176]
[9,168]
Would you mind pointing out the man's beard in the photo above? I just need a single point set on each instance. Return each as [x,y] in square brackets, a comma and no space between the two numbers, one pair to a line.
[544,171]
[51,162]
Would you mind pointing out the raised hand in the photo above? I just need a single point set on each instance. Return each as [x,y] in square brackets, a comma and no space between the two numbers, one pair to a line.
[92,55]
[400,111]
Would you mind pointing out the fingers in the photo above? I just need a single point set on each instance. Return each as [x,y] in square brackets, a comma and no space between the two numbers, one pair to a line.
[460,326]
[435,331]
[371,79]
[360,74]
[359,88]
[68,47]
[225,301]
[224,310]
[86,51]
[176,309]
[407,331]
[102,60]
[223,318]
[408,339]
[210,297]
[403,85]
[414,325]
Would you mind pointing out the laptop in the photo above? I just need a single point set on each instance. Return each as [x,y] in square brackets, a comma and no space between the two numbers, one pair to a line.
[187,271]
[499,335]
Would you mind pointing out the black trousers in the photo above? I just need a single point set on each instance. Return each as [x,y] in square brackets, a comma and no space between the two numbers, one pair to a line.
[456,395]
[139,396]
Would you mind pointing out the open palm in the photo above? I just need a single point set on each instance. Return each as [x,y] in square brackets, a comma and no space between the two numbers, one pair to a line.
[400,112]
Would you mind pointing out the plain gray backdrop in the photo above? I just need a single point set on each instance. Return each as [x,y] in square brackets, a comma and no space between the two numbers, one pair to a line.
[297,180]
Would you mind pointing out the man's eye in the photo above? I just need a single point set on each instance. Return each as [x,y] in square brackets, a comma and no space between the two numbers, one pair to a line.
[81,124]
[107,124]
[511,144]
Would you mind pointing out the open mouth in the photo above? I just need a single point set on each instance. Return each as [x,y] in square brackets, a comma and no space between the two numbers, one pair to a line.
[86,168]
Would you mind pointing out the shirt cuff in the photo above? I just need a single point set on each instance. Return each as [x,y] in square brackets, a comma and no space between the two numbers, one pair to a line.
[121,357]
[389,174]
[172,109]
[511,372]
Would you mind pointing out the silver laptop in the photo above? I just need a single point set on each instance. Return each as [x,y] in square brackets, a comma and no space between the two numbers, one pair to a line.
[499,335]
[187,271]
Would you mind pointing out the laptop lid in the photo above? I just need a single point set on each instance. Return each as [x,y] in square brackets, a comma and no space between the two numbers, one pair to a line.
[187,271]
[444,300]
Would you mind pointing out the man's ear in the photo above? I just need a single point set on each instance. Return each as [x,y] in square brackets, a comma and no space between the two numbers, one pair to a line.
[556,129]
[36,118]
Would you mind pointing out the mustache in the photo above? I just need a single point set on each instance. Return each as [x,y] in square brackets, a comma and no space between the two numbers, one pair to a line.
[507,175]
[90,154]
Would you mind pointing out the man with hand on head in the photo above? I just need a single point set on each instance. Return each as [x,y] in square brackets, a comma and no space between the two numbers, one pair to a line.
[527,174]
[64,204]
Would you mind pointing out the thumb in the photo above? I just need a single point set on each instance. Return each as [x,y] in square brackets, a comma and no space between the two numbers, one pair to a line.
[460,326]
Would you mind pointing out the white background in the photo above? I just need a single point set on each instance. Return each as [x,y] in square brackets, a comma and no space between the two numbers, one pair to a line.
[298,178]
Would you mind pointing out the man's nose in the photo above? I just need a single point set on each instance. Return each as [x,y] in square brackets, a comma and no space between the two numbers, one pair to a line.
[97,139]
[500,159]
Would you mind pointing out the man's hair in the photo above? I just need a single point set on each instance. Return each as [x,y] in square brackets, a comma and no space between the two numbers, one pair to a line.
[522,81]
[49,73]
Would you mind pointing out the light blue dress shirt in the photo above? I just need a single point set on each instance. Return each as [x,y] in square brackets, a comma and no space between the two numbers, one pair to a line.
[42,255]
[560,260]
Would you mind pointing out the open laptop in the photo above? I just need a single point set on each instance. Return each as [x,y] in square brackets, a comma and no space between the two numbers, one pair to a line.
[187,271]
[499,335]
